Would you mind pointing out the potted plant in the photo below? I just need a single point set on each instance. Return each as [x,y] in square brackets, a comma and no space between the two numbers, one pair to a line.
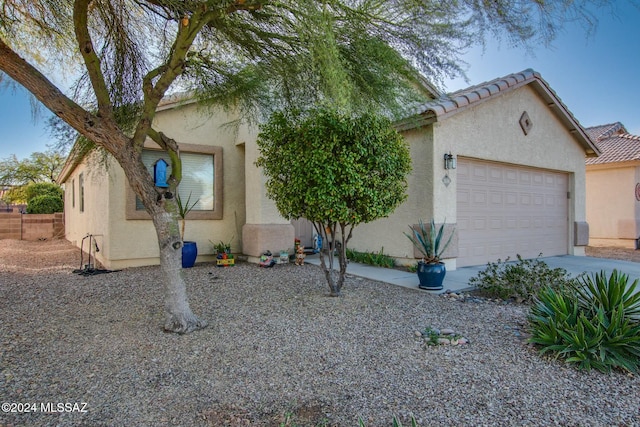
[429,241]
[221,248]
[224,257]
[189,248]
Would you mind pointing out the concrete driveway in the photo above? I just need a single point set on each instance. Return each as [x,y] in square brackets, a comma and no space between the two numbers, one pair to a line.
[575,265]
[458,280]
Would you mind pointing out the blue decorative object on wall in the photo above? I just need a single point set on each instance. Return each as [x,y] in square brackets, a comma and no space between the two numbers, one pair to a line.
[160,173]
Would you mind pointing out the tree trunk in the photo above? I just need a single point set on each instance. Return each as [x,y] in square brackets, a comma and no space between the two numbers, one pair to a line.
[178,315]
[328,247]
[103,130]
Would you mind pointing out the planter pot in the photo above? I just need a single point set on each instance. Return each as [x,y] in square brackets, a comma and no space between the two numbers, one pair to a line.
[431,276]
[189,254]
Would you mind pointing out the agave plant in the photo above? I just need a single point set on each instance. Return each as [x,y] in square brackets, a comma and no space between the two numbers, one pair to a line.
[428,240]
[183,210]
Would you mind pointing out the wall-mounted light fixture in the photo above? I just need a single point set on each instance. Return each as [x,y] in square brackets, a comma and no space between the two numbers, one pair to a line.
[450,161]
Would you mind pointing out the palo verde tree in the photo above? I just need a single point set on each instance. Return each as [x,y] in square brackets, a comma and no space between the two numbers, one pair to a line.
[241,54]
[335,169]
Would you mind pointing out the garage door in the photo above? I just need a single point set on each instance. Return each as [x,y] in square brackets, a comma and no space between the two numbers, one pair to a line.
[505,210]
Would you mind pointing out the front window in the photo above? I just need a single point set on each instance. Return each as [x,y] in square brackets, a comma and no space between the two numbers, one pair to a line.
[198,178]
[201,181]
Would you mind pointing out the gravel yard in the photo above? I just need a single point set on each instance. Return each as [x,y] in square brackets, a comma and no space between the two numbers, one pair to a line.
[278,352]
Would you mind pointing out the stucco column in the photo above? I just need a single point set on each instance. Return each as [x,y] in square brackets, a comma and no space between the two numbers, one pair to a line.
[265,228]
[445,187]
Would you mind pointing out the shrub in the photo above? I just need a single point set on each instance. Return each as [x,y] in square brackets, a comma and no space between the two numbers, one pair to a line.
[593,323]
[519,280]
[46,204]
[371,258]
[42,189]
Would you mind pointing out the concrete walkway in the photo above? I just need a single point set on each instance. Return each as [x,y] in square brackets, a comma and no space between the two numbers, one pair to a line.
[458,280]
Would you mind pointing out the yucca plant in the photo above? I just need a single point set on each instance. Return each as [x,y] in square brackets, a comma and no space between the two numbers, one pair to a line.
[429,241]
[610,294]
[550,314]
[592,323]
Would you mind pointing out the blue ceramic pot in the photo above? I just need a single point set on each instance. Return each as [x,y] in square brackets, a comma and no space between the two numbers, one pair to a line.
[431,276]
[189,254]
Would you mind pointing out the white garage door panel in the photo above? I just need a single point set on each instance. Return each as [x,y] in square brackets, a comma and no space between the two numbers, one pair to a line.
[506,210]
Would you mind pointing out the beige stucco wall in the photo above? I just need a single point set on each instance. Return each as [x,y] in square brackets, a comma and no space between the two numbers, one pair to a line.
[387,233]
[129,243]
[260,208]
[612,208]
[96,190]
[488,131]
[265,228]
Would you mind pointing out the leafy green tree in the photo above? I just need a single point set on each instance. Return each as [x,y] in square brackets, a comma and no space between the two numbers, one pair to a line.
[26,193]
[242,54]
[15,195]
[43,189]
[39,167]
[336,170]
[17,175]
[45,204]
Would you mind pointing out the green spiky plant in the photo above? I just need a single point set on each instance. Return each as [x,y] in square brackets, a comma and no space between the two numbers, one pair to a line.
[429,241]
[592,323]
[611,293]
[183,210]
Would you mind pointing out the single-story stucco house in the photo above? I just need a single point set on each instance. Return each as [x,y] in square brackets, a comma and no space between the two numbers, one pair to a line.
[613,187]
[518,186]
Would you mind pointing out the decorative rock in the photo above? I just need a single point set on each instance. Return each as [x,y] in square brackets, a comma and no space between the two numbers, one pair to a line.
[417,333]
[446,336]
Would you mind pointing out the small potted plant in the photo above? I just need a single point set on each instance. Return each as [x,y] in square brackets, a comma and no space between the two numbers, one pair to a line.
[189,248]
[429,242]
[224,258]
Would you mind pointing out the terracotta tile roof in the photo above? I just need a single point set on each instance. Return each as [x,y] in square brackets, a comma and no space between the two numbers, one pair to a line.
[615,143]
[448,105]
[603,131]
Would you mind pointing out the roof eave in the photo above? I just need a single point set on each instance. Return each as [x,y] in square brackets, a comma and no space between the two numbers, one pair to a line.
[74,158]
[460,101]
[614,164]
[566,117]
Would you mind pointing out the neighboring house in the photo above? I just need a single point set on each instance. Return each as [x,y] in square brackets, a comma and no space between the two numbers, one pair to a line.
[613,187]
[519,185]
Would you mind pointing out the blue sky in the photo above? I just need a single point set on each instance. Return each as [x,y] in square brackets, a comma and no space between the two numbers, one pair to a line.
[597,77]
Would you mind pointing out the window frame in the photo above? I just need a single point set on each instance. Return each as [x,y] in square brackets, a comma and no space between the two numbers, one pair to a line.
[215,214]
[81,191]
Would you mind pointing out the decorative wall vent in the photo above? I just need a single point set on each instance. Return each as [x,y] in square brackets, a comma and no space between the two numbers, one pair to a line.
[525,123]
